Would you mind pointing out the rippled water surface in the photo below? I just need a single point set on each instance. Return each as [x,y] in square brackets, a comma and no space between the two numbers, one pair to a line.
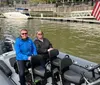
[78,39]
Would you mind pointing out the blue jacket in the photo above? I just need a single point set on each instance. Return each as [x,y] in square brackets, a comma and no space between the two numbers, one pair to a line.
[24,48]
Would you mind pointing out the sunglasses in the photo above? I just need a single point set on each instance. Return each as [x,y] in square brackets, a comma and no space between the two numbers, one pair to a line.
[24,33]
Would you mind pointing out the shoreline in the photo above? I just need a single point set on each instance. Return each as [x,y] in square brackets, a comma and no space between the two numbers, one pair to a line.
[61,19]
[68,19]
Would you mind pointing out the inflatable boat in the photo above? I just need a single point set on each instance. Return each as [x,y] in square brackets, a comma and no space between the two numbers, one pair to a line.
[79,69]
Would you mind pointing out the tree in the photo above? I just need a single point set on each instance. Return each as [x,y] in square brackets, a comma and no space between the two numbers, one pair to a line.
[43,1]
[52,1]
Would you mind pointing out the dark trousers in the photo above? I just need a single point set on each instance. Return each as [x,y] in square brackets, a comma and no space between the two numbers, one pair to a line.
[21,70]
[44,59]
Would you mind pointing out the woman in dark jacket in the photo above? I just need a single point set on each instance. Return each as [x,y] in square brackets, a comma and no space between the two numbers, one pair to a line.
[43,45]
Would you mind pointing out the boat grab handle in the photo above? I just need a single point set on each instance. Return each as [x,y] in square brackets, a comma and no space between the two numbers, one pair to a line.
[67,56]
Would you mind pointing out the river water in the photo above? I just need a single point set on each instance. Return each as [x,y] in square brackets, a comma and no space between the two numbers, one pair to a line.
[78,39]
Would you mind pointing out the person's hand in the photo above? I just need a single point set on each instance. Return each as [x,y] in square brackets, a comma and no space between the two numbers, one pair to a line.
[50,49]
[29,58]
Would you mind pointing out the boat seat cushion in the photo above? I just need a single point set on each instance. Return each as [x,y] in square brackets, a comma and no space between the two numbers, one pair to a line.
[53,53]
[56,61]
[73,77]
[39,70]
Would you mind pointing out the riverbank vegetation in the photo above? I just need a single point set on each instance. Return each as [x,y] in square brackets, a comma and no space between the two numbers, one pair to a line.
[64,2]
[56,2]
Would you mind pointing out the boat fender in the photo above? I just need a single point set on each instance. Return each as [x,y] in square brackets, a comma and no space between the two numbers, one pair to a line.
[5,68]
[16,67]
[13,63]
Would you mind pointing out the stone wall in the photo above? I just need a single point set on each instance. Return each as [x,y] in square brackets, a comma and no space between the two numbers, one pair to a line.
[52,7]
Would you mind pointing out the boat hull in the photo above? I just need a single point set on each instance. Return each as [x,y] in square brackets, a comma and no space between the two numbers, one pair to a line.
[80,66]
[15,15]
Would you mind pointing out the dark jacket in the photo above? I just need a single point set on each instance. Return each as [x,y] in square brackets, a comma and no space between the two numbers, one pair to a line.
[42,47]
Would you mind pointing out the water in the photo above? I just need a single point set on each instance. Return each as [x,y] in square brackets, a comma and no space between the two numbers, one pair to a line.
[78,39]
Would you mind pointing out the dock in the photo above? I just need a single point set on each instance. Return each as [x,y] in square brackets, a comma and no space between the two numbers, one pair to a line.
[74,16]
[62,19]
[68,19]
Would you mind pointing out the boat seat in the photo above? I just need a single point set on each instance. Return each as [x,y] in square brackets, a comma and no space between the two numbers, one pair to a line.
[73,77]
[56,61]
[69,75]
[54,65]
[39,70]
[53,55]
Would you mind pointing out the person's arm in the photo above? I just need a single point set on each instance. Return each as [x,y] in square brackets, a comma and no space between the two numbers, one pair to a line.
[34,49]
[18,52]
[39,49]
[50,45]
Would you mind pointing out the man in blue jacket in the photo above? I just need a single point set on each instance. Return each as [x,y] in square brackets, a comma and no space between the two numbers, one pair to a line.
[25,48]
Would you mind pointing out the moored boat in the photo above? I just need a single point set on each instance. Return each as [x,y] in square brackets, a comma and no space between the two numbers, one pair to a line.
[19,13]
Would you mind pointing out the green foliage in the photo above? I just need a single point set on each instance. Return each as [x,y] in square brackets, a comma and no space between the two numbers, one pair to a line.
[60,1]
[37,1]
[43,1]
